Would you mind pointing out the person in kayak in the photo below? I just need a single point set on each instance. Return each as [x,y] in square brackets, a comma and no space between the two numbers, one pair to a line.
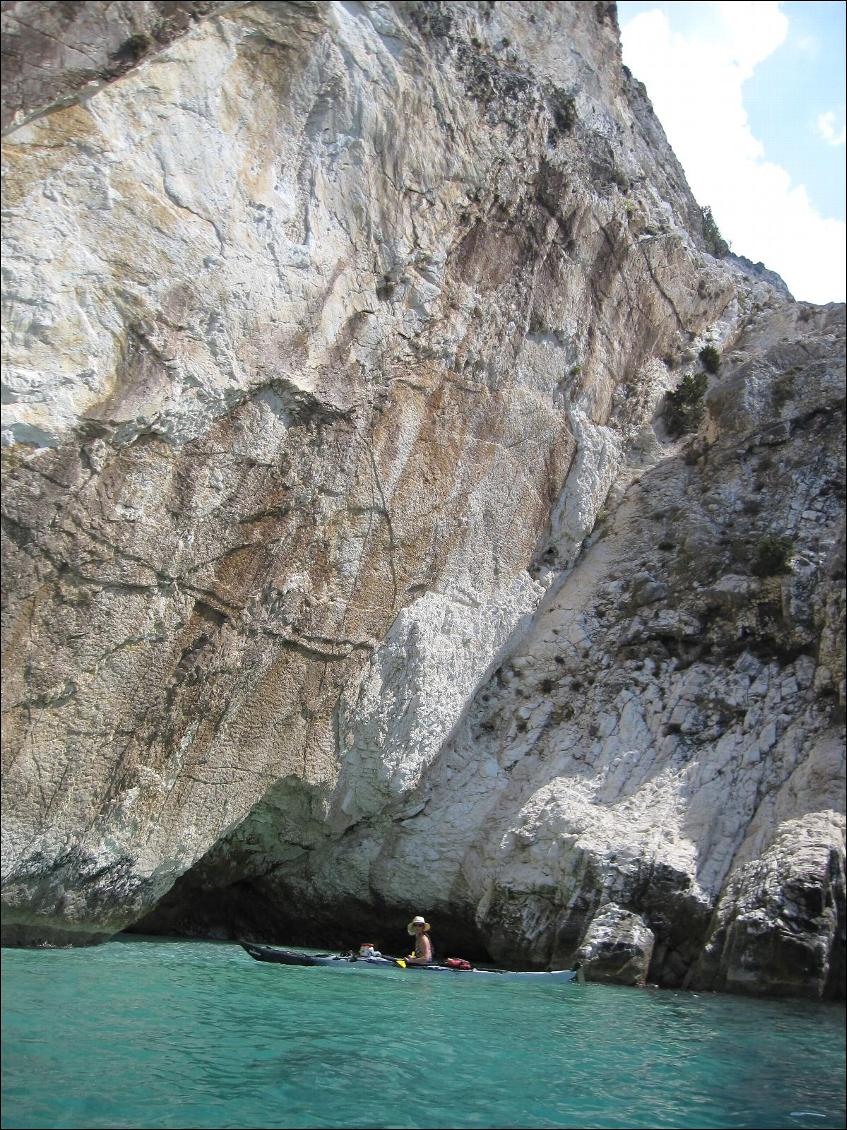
[419,928]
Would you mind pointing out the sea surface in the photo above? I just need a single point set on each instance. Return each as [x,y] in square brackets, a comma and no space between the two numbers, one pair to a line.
[173,1033]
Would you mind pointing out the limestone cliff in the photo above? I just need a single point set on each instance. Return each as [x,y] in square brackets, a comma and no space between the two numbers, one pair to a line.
[356,562]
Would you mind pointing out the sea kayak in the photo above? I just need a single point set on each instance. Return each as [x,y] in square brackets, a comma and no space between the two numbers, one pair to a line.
[341,961]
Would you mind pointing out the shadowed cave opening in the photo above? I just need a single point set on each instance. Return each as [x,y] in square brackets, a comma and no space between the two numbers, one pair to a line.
[244,887]
[250,909]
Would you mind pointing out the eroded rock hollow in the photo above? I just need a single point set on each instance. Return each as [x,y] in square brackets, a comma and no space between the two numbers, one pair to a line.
[404,510]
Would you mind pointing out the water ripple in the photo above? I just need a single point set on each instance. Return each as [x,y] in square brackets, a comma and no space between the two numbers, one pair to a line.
[169,1035]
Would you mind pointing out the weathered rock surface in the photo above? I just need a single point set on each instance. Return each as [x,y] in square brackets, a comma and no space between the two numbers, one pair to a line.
[57,54]
[617,947]
[349,563]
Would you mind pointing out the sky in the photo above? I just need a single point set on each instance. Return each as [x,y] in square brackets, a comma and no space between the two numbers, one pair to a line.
[751,96]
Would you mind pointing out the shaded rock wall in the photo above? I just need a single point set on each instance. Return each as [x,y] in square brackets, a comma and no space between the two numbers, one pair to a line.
[56,54]
[338,326]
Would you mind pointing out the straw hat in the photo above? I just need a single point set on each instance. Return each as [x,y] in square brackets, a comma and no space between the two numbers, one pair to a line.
[418,920]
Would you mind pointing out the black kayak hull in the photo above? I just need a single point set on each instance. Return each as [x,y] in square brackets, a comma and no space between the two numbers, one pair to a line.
[280,956]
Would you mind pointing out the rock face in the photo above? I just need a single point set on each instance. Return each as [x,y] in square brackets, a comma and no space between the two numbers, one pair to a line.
[355,562]
[617,947]
[55,54]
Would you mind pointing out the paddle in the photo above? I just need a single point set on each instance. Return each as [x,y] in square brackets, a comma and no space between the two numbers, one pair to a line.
[398,961]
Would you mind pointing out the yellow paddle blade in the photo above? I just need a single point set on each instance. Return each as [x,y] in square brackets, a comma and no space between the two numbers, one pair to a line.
[401,962]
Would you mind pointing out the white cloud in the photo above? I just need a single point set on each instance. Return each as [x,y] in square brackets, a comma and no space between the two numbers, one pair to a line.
[827,128]
[695,85]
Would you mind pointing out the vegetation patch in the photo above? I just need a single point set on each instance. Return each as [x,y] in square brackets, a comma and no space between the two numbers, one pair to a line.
[772,556]
[685,406]
[710,358]
[433,19]
[782,389]
[132,49]
[562,108]
[715,243]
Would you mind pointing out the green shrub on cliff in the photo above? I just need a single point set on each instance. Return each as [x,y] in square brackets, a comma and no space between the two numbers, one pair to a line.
[710,358]
[715,243]
[685,406]
[772,556]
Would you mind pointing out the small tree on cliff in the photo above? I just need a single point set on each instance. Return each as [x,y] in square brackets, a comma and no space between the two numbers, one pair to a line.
[715,243]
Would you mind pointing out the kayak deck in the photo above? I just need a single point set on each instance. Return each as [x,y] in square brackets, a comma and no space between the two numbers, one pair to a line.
[281,956]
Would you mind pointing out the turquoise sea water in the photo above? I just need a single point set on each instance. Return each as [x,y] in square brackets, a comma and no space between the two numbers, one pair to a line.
[151,1033]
